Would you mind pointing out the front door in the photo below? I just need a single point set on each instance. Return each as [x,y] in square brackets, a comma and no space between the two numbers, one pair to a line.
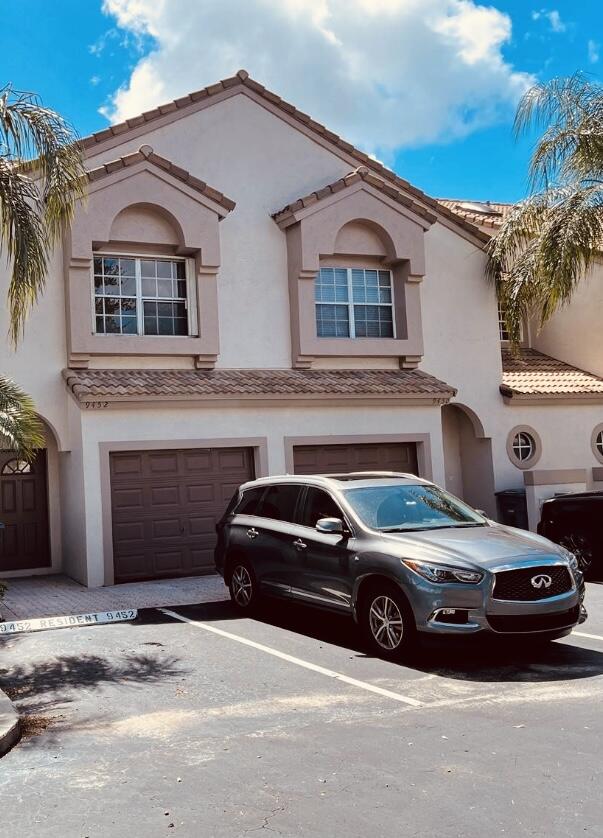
[323,568]
[24,542]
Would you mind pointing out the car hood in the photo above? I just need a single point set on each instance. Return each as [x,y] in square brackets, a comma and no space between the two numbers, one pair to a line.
[485,547]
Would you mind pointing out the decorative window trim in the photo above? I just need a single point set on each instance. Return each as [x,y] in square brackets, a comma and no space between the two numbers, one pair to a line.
[147,184]
[190,301]
[531,461]
[312,232]
[351,304]
[16,466]
[598,452]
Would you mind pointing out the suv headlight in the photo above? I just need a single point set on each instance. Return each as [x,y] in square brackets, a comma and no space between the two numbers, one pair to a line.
[443,573]
[571,558]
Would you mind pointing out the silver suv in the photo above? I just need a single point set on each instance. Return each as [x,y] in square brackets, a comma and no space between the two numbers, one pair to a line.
[401,555]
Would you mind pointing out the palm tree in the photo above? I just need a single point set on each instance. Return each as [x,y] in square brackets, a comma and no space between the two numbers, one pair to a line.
[41,179]
[551,239]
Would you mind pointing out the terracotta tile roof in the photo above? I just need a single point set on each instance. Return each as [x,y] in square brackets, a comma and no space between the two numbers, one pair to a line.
[243,80]
[491,215]
[359,174]
[145,152]
[127,385]
[533,374]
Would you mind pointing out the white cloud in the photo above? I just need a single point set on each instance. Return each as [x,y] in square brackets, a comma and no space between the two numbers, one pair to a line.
[594,52]
[384,73]
[553,17]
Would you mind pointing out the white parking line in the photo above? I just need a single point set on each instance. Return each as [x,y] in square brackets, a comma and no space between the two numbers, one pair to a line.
[363,685]
[584,634]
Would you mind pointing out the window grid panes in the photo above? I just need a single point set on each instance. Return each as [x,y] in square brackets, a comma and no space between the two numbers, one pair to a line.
[502,326]
[599,442]
[16,467]
[354,302]
[524,446]
[140,296]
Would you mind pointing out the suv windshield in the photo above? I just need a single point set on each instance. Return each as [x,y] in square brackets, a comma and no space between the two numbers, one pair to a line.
[402,507]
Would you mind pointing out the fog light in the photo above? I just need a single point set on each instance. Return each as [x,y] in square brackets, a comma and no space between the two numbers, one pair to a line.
[457,616]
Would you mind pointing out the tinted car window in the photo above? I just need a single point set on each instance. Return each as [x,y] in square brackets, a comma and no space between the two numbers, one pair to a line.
[248,505]
[279,503]
[318,505]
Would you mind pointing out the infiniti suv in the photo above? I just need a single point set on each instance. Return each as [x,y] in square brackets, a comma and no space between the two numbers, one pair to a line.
[399,554]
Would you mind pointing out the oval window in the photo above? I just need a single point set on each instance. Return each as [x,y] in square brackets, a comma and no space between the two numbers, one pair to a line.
[524,446]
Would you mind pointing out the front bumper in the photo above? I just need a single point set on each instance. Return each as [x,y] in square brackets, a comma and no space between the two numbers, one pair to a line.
[456,609]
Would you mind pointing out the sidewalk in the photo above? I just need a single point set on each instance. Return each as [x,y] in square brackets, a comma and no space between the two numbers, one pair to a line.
[51,596]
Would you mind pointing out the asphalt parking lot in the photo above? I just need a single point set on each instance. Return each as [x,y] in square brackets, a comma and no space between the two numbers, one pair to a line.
[211,725]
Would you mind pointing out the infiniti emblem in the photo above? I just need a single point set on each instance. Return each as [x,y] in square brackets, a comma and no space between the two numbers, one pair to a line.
[541,581]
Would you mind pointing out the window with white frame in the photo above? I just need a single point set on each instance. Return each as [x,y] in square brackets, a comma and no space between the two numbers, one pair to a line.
[523,446]
[142,296]
[599,443]
[354,303]
[503,332]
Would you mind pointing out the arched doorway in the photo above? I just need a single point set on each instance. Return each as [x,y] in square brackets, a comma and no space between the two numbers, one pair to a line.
[468,458]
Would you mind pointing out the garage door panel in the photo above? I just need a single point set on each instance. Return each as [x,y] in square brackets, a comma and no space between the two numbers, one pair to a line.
[201,558]
[126,464]
[201,526]
[325,459]
[167,528]
[128,499]
[201,493]
[197,461]
[165,510]
[164,496]
[166,463]
[129,532]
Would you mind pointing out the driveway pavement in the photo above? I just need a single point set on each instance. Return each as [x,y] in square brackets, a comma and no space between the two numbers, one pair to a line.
[200,723]
[49,596]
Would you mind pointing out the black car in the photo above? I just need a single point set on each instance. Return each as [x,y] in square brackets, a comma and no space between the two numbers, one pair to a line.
[576,522]
[399,554]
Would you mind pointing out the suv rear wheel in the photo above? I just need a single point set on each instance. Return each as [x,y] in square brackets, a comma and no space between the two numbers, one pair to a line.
[243,587]
[387,621]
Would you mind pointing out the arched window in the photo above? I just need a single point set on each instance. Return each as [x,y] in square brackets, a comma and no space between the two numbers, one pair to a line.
[16,466]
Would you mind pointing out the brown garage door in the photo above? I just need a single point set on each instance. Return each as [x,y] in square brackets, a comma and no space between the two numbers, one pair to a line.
[331,459]
[24,512]
[165,505]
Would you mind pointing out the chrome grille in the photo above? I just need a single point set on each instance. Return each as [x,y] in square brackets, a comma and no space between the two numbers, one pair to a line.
[517,585]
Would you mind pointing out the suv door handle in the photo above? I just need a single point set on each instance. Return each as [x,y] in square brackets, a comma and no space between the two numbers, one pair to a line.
[299,544]
[252,533]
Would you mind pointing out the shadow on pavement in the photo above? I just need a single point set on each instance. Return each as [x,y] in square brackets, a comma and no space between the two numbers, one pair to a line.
[485,660]
[43,688]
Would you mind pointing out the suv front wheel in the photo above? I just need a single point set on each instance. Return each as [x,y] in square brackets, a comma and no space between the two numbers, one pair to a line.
[387,621]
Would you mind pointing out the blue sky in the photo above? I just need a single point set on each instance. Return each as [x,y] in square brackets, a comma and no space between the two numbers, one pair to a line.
[428,86]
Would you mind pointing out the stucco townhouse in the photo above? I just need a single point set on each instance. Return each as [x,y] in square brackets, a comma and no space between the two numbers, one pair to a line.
[245,293]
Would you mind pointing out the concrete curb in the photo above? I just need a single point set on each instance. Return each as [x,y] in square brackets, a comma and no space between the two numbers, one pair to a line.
[10,727]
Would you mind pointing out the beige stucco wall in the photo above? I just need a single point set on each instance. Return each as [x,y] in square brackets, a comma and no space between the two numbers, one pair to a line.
[261,163]
[574,334]
[41,355]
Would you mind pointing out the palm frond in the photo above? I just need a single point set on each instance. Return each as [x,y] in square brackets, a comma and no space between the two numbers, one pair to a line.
[41,179]
[549,241]
[20,427]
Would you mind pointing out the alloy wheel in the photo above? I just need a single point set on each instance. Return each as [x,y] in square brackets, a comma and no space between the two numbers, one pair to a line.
[242,586]
[386,623]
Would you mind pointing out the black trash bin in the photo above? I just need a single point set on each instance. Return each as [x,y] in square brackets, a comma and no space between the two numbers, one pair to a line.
[512,508]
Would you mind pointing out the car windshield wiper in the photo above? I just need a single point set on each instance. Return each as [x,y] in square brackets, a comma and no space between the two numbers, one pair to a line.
[450,526]
[414,529]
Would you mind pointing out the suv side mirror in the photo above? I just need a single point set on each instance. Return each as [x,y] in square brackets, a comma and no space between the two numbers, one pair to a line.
[330,526]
